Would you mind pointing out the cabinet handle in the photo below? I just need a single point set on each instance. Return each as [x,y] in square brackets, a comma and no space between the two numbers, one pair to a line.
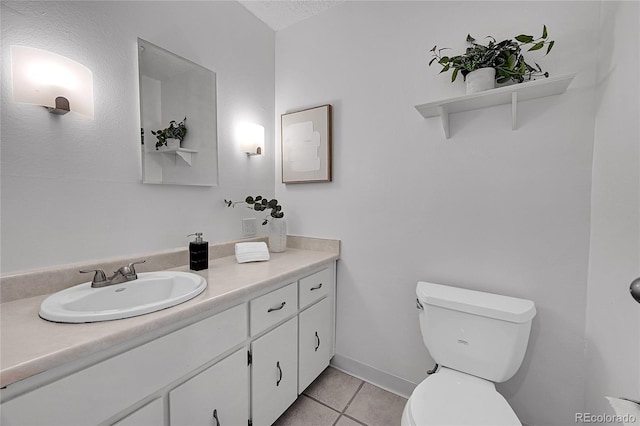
[318,345]
[278,308]
[319,286]
[280,372]
[215,416]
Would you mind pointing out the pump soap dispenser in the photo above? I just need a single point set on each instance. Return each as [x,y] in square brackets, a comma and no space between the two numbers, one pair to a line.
[198,253]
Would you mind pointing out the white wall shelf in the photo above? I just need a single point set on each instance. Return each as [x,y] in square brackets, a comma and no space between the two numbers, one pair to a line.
[503,95]
[183,153]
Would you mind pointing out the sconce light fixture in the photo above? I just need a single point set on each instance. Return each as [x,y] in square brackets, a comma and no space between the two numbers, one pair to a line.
[251,138]
[52,81]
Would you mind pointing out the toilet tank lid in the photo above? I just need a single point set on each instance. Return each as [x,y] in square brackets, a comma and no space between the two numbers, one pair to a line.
[490,305]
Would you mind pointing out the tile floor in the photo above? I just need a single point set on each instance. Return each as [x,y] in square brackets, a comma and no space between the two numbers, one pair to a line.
[338,399]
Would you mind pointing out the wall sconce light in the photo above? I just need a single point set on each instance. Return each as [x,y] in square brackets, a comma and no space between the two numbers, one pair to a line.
[52,81]
[251,138]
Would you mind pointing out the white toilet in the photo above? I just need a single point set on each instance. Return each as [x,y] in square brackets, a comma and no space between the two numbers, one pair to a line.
[477,339]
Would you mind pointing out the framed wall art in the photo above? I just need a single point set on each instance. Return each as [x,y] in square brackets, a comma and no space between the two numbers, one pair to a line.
[306,145]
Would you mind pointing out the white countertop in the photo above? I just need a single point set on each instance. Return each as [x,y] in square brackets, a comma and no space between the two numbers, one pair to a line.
[31,345]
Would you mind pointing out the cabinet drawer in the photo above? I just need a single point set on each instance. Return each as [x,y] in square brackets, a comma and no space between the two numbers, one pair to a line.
[94,394]
[273,307]
[315,287]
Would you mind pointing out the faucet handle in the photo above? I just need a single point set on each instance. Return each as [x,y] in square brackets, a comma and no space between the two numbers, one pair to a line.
[131,267]
[98,277]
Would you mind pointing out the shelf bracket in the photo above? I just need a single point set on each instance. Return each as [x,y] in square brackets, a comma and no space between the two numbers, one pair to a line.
[444,116]
[186,156]
[514,110]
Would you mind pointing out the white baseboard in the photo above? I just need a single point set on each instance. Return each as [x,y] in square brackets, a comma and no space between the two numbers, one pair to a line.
[370,374]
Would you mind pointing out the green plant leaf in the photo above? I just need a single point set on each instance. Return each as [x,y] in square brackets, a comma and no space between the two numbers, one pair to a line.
[445,69]
[544,31]
[454,75]
[259,197]
[273,203]
[550,46]
[249,200]
[537,46]
[470,39]
[523,38]
[431,61]
[434,48]
[444,60]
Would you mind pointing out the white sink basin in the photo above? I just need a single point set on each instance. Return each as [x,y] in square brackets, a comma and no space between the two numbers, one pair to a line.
[151,292]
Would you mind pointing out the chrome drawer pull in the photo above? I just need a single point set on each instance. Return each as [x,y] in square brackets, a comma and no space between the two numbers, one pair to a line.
[215,416]
[279,371]
[319,286]
[318,345]
[276,309]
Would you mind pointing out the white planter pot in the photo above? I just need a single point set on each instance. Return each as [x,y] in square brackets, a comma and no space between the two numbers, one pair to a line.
[277,235]
[172,144]
[480,80]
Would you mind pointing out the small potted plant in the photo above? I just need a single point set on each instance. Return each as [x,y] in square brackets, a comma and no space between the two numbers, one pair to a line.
[172,136]
[275,219]
[502,62]
[260,204]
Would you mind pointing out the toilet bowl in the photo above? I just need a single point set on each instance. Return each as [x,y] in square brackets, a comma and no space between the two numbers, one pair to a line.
[478,339]
[450,397]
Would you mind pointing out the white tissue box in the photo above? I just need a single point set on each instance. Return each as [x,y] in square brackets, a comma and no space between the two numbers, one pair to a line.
[252,252]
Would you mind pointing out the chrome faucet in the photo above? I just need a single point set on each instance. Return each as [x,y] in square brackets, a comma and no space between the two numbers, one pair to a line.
[123,274]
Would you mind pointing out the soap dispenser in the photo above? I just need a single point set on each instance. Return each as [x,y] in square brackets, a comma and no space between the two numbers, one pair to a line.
[198,253]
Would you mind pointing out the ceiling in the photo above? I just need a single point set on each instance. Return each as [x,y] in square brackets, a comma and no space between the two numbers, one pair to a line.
[279,14]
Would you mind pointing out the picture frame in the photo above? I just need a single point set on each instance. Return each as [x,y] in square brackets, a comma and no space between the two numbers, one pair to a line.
[306,145]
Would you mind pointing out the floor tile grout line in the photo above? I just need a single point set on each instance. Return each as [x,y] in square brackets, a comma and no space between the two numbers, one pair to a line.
[337,420]
[321,403]
[352,398]
[354,419]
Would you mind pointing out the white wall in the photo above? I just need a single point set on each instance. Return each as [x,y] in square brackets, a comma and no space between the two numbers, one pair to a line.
[613,317]
[490,209]
[71,186]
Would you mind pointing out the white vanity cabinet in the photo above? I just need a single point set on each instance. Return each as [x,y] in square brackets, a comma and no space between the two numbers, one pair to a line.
[244,365]
[316,342]
[217,396]
[151,414]
[274,373]
[95,394]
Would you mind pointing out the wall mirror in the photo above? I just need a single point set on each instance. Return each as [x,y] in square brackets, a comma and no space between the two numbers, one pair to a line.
[178,119]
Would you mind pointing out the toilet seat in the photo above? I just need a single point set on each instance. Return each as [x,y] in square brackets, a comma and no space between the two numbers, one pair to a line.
[450,397]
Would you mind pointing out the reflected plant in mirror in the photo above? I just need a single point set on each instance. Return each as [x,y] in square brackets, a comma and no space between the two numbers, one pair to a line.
[172,87]
[174,131]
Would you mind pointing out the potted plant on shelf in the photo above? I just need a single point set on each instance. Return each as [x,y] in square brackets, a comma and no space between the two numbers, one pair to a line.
[172,136]
[482,66]
[275,219]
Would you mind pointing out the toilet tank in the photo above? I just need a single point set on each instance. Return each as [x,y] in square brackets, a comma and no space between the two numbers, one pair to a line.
[478,333]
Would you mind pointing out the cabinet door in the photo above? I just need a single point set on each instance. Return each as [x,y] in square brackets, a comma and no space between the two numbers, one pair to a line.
[219,396]
[274,373]
[151,414]
[316,342]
